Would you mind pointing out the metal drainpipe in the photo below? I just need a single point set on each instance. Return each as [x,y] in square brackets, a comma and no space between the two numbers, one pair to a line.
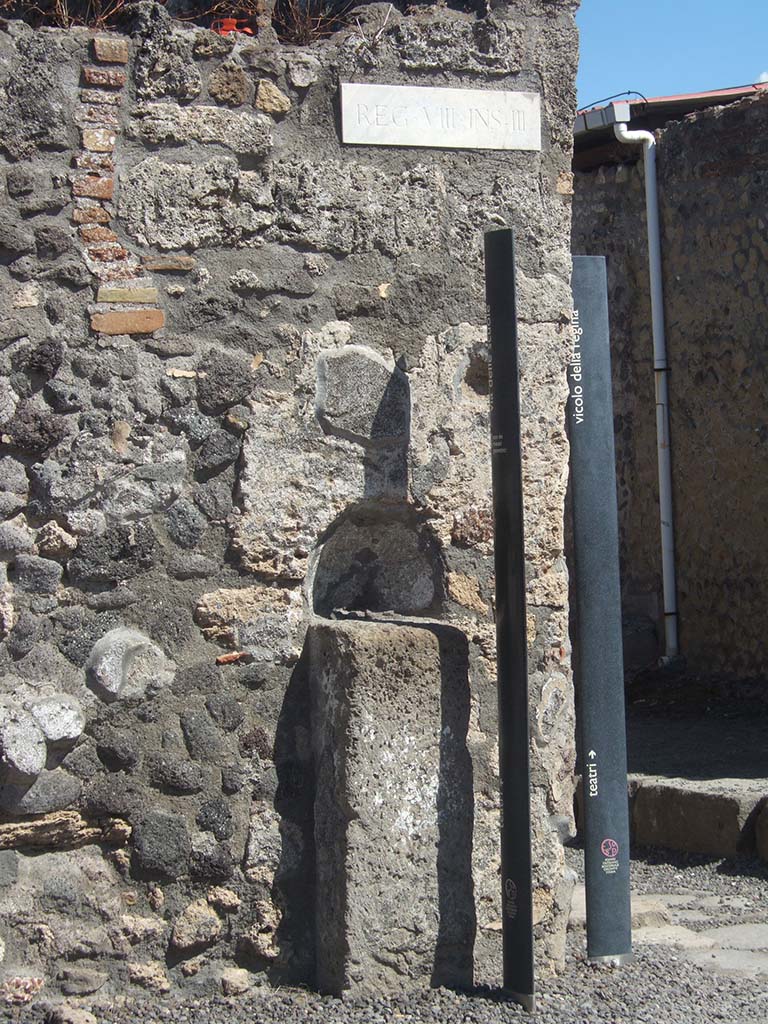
[661,378]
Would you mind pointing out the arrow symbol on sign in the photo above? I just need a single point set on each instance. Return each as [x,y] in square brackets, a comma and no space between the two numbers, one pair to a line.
[592,755]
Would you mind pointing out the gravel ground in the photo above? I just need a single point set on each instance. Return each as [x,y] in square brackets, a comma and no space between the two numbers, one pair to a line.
[660,986]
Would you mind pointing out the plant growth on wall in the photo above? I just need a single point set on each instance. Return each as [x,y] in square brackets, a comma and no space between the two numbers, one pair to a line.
[295,21]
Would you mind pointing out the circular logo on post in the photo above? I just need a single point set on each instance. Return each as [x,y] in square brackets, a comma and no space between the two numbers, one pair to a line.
[609,848]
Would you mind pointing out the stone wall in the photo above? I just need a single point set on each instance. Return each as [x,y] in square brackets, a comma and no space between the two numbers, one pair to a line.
[713,168]
[244,395]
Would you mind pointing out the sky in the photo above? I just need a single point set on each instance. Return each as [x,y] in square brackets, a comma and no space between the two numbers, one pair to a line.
[666,47]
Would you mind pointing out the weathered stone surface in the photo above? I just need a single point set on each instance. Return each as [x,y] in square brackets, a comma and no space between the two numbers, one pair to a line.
[40,89]
[151,977]
[33,430]
[393,807]
[224,900]
[192,567]
[211,861]
[22,744]
[185,524]
[241,132]
[201,735]
[226,711]
[164,65]
[71,1015]
[117,750]
[123,442]
[125,665]
[224,381]
[374,564]
[461,45]
[236,981]
[303,69]
[62,830]
[53,541]
[60,717]
[171,772]
[82,981]
[156,199]
[16,538]
[161,846]
[270,99]
[219,449]
[360,397]
[197,927]
[681,814]
[258,942]
[315,481]
[216,816]
[228,84]
[50,791]
[265,621]
[9,867]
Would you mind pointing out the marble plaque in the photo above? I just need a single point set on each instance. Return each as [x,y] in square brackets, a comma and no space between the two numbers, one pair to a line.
[410,115]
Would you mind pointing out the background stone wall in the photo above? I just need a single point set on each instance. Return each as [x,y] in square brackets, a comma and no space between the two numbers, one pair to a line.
[713,169]
[245,389]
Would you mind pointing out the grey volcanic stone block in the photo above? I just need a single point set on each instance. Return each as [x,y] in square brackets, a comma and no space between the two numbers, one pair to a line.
[215,816]
[703,816]
[185,524]
[50,791]
[161,845]
[361,398]
[172,772]
[227,381]
[38,575]
[60,717]
[393,808]
[202,737]
[22,744]
[218,451]
[124,664]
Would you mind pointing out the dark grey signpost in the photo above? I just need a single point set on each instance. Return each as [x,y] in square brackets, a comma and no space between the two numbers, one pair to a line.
[511,642]
[598,649]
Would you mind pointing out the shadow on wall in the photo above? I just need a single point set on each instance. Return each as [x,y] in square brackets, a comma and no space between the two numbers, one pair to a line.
[454,961]
[377,559]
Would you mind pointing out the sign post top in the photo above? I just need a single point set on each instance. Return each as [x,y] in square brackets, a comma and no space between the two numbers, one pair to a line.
[431,117]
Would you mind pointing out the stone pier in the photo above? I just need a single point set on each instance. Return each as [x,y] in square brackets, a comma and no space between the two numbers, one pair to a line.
[393,806]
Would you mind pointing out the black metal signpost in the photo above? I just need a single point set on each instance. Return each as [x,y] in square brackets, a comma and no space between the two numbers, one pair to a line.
[598,649]
[517,901]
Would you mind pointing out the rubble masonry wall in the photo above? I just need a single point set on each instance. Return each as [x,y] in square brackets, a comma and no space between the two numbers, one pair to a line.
[244,385]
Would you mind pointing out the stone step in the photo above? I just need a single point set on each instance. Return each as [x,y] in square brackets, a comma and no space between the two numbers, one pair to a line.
[713,816]
[722,817]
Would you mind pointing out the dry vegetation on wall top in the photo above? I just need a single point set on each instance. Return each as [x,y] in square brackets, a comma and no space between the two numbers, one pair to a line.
[294,21]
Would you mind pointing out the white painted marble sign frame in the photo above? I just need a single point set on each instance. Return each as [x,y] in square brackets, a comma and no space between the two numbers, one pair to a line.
[426,116]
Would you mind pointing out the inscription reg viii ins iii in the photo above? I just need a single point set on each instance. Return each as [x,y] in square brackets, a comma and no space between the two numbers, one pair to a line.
[407,115]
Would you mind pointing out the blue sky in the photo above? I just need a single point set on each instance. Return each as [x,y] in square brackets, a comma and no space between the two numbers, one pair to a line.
[664,47]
